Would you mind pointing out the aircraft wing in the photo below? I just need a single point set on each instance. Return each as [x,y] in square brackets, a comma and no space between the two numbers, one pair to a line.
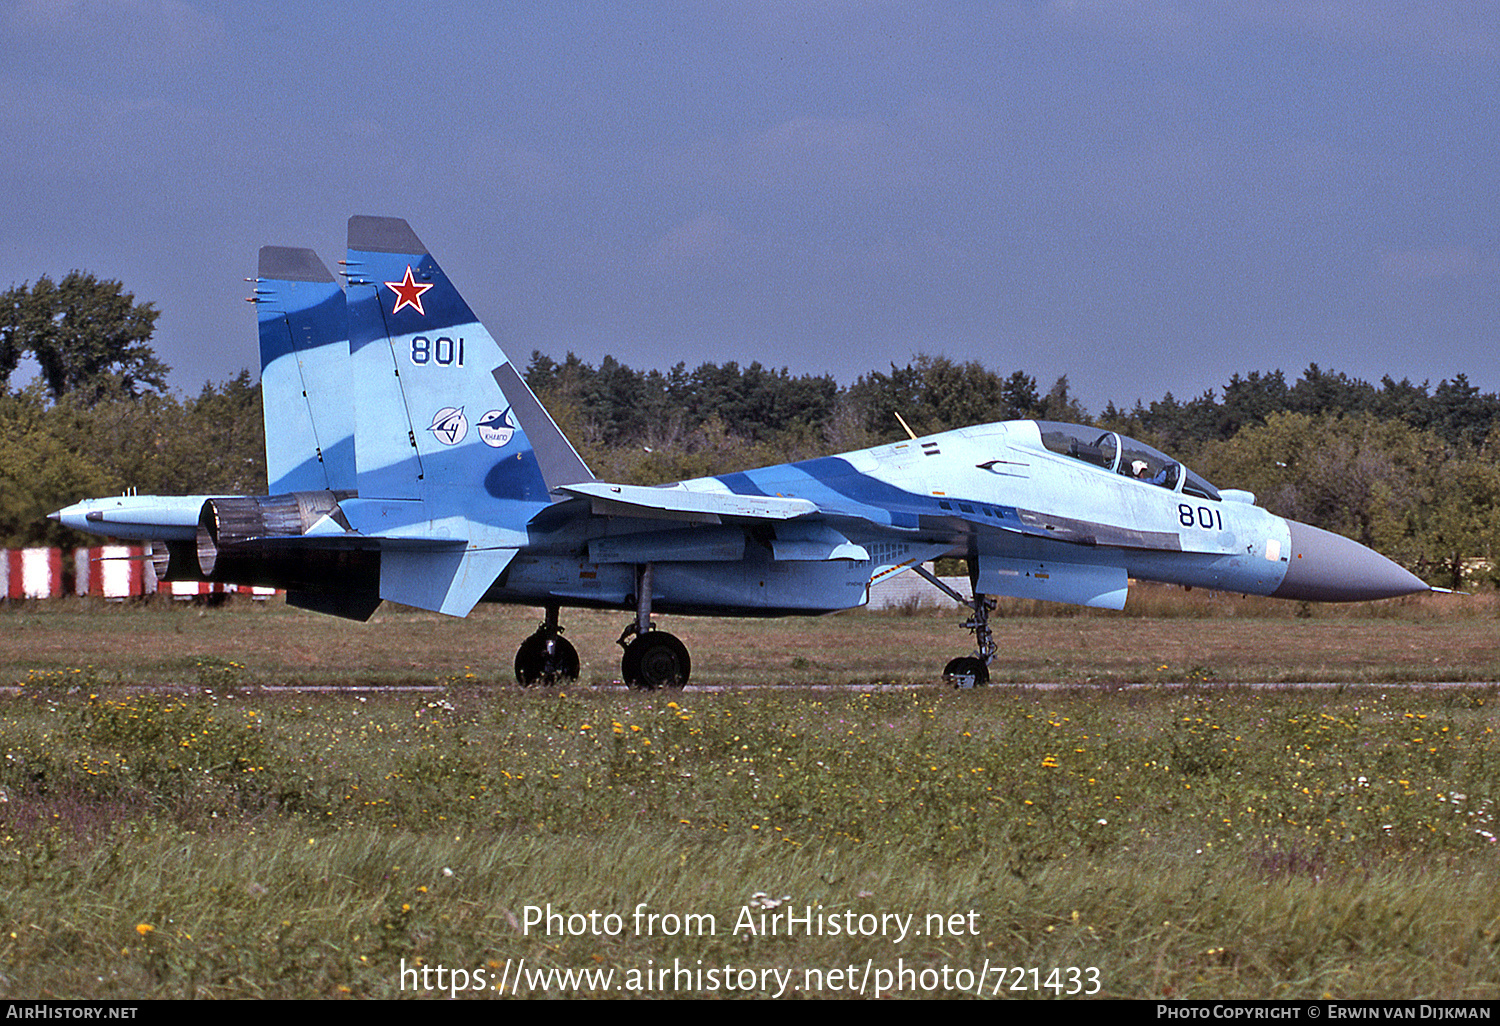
[681,504]
[918,513]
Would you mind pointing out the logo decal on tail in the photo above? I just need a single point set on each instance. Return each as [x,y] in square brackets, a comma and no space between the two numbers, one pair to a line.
[450,425]
[496,428]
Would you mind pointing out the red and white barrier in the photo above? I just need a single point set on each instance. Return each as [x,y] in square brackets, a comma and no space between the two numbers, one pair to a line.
[113,571]
[197,589]
[33,573]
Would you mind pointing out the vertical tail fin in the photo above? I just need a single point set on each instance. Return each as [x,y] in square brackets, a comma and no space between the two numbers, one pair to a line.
[442,415]
[304,372]
[446,429]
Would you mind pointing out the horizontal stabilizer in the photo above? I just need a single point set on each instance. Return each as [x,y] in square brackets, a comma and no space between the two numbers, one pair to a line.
[680,504]
[446,581]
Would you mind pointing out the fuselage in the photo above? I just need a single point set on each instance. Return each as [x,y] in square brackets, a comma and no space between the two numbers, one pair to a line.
[1031,520]
[1038,510]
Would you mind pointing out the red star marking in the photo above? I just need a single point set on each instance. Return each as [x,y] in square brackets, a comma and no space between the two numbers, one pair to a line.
[408,293]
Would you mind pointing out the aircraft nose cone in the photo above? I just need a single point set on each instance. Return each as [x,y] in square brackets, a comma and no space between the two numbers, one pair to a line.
[1325,567]
[73,516]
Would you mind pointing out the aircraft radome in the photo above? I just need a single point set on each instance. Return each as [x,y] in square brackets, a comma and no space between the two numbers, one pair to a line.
[408,461]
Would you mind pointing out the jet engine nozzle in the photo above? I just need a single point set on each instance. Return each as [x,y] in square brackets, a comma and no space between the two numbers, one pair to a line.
[225,523]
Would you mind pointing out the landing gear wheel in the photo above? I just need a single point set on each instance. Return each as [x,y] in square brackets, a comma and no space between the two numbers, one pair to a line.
[546,658]
[967,672]
[654,660]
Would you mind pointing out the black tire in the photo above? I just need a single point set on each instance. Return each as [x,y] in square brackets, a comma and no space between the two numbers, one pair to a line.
[654,660]
[546,659]
[967,672]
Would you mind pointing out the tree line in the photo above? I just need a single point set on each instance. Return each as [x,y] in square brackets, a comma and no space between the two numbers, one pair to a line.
[1412,470]
[98,418]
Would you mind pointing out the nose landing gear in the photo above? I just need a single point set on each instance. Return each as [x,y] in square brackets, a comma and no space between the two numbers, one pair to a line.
[971,671]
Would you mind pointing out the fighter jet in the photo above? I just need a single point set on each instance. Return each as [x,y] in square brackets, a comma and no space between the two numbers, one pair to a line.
[409,462]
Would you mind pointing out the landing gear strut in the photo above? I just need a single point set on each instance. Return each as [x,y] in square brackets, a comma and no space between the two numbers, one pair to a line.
[971,671]
[974,671]
[546,657]
[653,659]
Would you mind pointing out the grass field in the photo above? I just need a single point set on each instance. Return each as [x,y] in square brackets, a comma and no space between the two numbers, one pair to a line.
[1202,840]
[1165,635]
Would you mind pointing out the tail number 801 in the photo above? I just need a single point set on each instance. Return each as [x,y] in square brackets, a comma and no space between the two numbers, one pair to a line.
[1205,517]
[443,351]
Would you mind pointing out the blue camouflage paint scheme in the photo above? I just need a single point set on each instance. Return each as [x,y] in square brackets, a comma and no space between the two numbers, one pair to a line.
[357,387]
[840,490]
[304,369]
[398,455]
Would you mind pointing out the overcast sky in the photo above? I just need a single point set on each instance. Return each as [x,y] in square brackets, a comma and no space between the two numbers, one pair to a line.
[1145,195]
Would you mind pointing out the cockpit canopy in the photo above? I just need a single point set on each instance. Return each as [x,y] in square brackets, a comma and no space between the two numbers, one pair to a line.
[1121,455]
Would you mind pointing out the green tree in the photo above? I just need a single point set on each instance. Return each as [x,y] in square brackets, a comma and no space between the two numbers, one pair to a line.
[83,332]
[933,393]
[41,470]
[223,439]
[1319,391]
[1459,413]
[881,396]
[1460,536]
[1250,400]
[1366,479]
[1060,404]
[960,394]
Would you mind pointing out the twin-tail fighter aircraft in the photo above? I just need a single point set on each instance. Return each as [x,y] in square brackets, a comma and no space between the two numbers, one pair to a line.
[409,461]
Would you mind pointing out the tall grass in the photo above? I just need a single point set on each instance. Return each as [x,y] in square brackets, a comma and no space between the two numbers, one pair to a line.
[1199,842]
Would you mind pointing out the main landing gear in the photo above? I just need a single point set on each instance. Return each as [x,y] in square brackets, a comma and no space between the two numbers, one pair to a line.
[653,659]
[970,671]
[546,657]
